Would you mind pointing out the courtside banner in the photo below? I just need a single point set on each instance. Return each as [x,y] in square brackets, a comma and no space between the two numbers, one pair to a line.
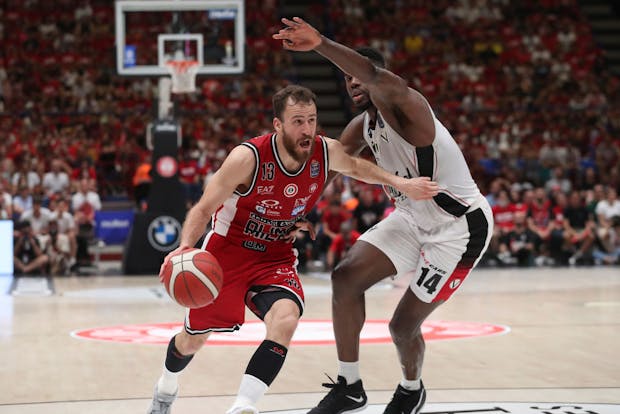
[113,226]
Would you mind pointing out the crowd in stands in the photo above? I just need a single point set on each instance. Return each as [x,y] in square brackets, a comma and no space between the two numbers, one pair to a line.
[521,85]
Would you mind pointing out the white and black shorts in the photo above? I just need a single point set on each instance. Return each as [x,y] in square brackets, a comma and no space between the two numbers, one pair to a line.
[441,258]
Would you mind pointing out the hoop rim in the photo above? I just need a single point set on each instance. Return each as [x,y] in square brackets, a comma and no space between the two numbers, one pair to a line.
[180,66]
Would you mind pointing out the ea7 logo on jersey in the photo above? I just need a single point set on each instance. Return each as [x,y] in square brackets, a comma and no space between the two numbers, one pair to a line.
[264,189]
[313,187]
[290,190]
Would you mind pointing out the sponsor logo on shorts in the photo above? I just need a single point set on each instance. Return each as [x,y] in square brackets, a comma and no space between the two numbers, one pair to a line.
[252,245]
[455,283]
[309,332]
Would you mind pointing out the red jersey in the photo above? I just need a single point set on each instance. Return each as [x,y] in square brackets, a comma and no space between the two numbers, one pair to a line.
[341,245]
[504,216]
[260,217]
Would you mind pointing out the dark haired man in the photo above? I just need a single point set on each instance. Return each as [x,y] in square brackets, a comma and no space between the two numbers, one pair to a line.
[440,240]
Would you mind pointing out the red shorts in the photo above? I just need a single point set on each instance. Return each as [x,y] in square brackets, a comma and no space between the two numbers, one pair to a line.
[246,274]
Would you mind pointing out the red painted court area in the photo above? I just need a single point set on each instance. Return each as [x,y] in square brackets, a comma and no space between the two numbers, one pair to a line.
[309,332]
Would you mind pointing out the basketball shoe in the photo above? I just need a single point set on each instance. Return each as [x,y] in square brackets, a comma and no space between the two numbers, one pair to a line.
[161,402]
[343,398]
[406,402]
[246,409]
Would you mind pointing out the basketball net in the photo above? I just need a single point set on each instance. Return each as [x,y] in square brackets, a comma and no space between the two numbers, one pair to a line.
[183,74]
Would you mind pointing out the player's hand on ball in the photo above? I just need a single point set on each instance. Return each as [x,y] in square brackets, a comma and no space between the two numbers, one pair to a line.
[167,259]
[298,35]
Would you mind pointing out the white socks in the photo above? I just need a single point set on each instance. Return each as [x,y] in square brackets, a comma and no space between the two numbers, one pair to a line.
[168,382]
[410,385]
[250,391]
[349,370]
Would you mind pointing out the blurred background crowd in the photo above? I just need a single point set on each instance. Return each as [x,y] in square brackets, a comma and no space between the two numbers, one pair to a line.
[522,85]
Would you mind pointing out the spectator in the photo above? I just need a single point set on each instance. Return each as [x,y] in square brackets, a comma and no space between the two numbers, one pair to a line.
[22,201]
[56,181]
[332,218]
[25,176]
[142,182]
[66,224]
[503,213]
[28,258]
[5,212]
[368,212]
[57,247]
[579,227]
[191,178]
[518,245]
[558,182]
[38,216]
[608,250]
[6,200]
[85,203]
[341,244]
[608,208]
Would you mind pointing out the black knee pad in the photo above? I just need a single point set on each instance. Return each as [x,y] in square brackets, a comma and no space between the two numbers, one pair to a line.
[261,298]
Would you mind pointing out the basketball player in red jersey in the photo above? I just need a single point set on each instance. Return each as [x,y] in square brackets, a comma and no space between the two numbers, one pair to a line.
[439,240]
[257,197]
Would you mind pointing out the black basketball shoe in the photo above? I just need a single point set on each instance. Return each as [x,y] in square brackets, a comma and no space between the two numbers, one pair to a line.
[406,402]
[343,398]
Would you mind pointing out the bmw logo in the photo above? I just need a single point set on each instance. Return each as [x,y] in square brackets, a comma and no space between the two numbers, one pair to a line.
[164,233]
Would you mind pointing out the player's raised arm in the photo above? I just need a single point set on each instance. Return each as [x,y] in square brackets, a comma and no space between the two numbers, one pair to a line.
[420,188]
[409,110]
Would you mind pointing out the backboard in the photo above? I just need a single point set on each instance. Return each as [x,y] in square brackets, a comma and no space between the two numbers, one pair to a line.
[151,32]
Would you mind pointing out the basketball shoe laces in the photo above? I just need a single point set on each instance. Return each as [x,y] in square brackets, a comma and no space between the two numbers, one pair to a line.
[337,396]
[406,401]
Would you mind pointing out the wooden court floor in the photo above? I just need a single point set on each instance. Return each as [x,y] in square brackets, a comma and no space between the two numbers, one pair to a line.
[561,344]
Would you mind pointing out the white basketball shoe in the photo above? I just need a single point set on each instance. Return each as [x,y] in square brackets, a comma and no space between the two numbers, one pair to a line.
[161,402]
[246,409]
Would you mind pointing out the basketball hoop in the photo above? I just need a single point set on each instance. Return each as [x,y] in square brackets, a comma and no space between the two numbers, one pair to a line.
[183,73]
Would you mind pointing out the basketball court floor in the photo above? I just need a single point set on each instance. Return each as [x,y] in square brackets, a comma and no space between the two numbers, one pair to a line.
[510,341]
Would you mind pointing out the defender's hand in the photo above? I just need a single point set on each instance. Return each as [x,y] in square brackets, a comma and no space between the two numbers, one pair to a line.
[303,225]
[419,188]
[298,35]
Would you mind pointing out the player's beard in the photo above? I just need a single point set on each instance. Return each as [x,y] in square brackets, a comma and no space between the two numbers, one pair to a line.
[364,105]
[294,150]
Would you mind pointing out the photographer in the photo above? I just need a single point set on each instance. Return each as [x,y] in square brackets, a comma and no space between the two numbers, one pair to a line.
[57,247]
[28,257]
[607,250]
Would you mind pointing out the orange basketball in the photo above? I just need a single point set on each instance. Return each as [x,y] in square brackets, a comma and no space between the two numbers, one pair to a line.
[193,278]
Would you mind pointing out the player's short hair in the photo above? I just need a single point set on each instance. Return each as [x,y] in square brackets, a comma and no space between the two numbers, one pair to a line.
[297,93]
[373,54]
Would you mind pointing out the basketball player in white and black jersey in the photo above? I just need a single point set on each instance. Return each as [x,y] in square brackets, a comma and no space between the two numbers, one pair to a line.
[254,200]
[439,240]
